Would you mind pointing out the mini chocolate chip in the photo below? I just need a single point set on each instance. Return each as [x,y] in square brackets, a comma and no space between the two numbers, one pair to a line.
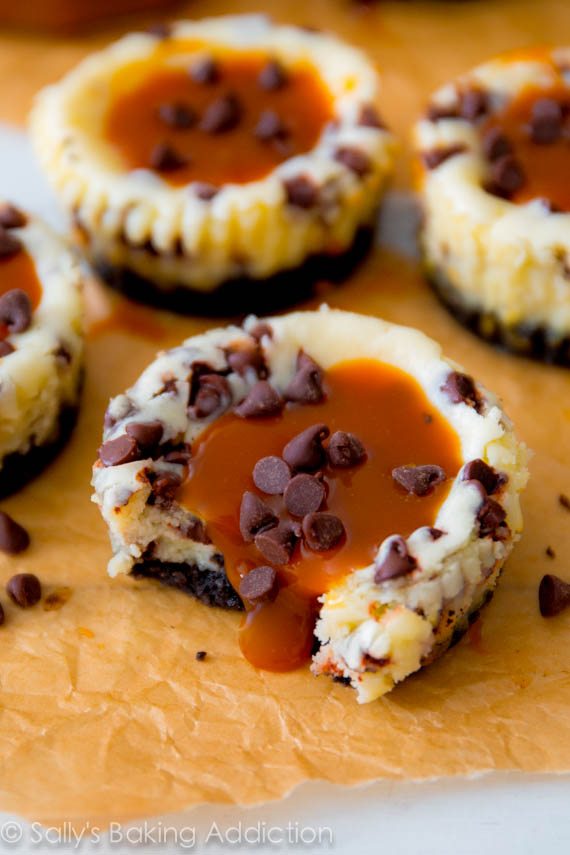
[146,434]
[546,121]
[9,244]
[262,401]
[160,30]
[213,394]
[24,589]
[205,70]
[306,387]
[11,217]
[435,112]
[345,450]
[473,104]
[436,156]
[177,115]
[460,388]
[370,118]
[63,354]
[435,533]
[419,480]
[205,191]
[553,595]
[122,449]
[200,655]
[301,191]
[169,386]
[181,456]
[303,495]
[13,537]
[165,158]
[260,330]
[269,127]
[272,76]
[495,144]
[506,178]
[277,544]
[254,516]
[396,561]
[305,451]
[491,519]
[550,552]
[271,475]
[165,486]
[15,310]
[564,501]
[222,115]
[6,348]
[354,159]
[322,531]
[478,470]
[259,584]
[246,355]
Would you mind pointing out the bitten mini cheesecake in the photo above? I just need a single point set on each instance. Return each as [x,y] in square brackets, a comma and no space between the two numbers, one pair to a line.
[494,150]
[41,345]
[222,151]
[330,473]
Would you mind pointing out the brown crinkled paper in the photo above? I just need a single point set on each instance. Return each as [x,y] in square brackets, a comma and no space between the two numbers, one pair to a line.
[105,711]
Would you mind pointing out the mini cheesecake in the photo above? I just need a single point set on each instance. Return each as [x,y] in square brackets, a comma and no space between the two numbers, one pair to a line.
[218,152]
[494,150]
[330,473]
[41,345]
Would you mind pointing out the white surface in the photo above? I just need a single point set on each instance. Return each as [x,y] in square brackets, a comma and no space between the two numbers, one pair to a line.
[494,815]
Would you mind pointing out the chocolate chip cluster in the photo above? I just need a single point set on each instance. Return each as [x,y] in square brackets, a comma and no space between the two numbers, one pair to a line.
[15,305]
[395,560]
[222,114]
[24,589]
[299,476]
[548,123]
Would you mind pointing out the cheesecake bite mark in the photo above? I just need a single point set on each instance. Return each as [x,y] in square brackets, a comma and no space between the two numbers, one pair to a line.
[382,409]
[229,127]
[527,147]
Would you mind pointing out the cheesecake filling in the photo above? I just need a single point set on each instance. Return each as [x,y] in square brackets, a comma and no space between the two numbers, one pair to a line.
[217,118]
[298,496]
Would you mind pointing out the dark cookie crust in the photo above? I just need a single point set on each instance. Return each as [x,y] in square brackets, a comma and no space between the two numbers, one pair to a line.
[20,468]
[525,339]
[211,587]
[244,295]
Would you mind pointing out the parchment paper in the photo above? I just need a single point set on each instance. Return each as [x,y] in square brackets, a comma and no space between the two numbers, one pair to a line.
[104,711]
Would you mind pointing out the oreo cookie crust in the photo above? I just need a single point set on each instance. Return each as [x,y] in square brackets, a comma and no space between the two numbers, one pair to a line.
[497,220]
[139,220]
[41,362]
[376,623]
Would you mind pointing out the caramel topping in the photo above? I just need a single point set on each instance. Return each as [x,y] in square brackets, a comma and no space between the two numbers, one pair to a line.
[382,406]
[216,130]
[19,271]
[533,134]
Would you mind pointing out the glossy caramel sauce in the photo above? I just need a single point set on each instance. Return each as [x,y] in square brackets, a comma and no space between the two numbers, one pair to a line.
[389,412]
[19,271]
[546,166]
[135,128]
